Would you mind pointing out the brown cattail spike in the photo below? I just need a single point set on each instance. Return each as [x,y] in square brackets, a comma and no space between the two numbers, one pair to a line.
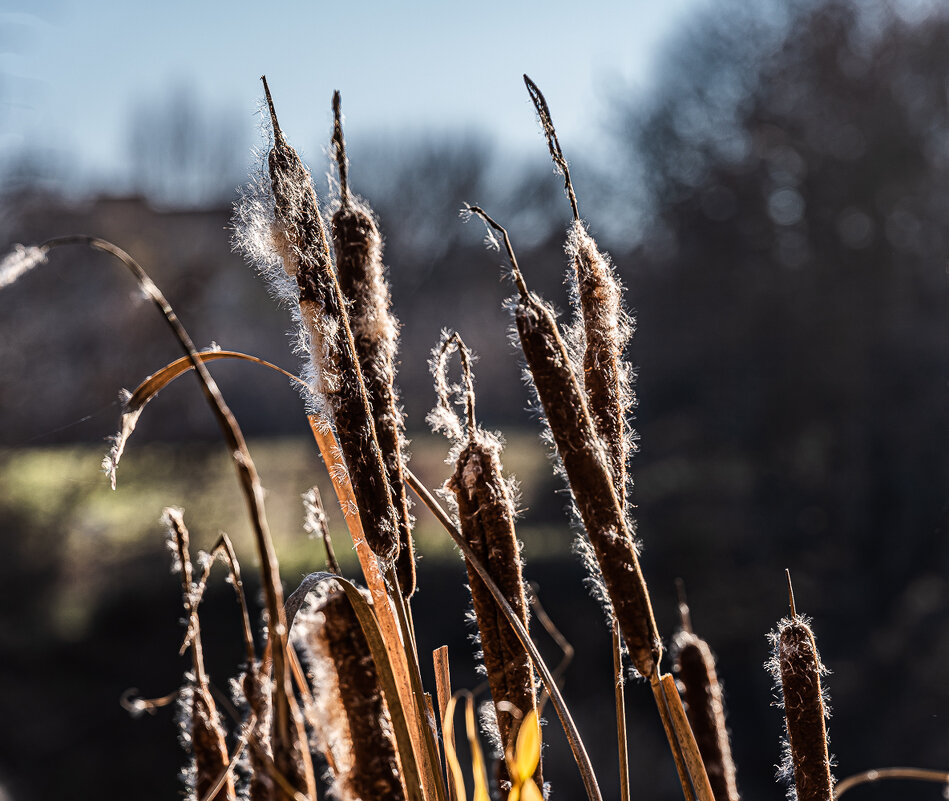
[486,514]
[300,238]
[375,330]
[797,666]
[355,729]
[606,332]
[704,705]
[587,469]
[605,327]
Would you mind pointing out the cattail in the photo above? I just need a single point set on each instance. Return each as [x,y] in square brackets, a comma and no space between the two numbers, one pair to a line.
[702,695]
[358,248]
[604,326]
[587,469]
[351,719]
[254,691]
[202,732]
[300,238]
[486,517]
[796,665]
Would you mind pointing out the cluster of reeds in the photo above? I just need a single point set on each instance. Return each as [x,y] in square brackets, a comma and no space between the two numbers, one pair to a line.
[357,698]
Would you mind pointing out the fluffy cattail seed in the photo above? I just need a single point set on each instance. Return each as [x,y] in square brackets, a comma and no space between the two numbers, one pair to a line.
[702,695]
[358,248]
[353,728]
[797,667]
[301,240]
[486,517]
[587,469]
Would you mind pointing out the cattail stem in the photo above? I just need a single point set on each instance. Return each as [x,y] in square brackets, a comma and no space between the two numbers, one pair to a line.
[620,701]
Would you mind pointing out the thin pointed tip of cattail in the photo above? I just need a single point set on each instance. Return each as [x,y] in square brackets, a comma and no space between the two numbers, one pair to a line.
[270,106]
[553,143]
[339,145]
[685,614]
[787,574]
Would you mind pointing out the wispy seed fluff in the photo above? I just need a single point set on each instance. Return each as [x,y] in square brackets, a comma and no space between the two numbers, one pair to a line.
[486,516]
[350,719]
[299,237]
[358,248]
[797,669]
[18,262]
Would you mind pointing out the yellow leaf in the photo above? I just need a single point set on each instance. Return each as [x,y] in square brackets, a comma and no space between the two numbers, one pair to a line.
[478,769]
[530,791]
[454,767]
[527,751]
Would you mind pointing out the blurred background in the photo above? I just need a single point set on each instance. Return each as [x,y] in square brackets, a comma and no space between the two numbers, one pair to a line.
[771,181]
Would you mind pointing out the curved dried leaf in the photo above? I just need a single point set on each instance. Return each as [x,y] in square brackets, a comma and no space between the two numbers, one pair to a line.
[134,403]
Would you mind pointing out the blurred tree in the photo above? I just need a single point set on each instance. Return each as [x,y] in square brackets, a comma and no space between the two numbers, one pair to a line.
[184,153]
[797,157]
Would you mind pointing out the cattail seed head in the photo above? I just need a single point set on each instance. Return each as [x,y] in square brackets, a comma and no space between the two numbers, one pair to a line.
[605,331]
[585,463]
[352,723]
[253,693]
[797,667]
[300,238]
[358,249]
[704,705]
[486,515]
[586,466]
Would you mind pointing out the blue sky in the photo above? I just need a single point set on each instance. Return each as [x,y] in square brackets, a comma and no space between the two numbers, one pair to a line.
[71,72]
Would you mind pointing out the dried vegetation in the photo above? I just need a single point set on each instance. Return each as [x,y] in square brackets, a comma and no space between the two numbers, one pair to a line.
[357,698]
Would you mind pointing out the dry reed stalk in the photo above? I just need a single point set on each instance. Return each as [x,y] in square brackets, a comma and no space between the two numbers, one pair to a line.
[202,732]
[290,755]
[300,238]
[358,248]
[605,327]
[486,516]
[355,727]
[586,467]
[443,696]
[796,665]
[401,657]
[704,704]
